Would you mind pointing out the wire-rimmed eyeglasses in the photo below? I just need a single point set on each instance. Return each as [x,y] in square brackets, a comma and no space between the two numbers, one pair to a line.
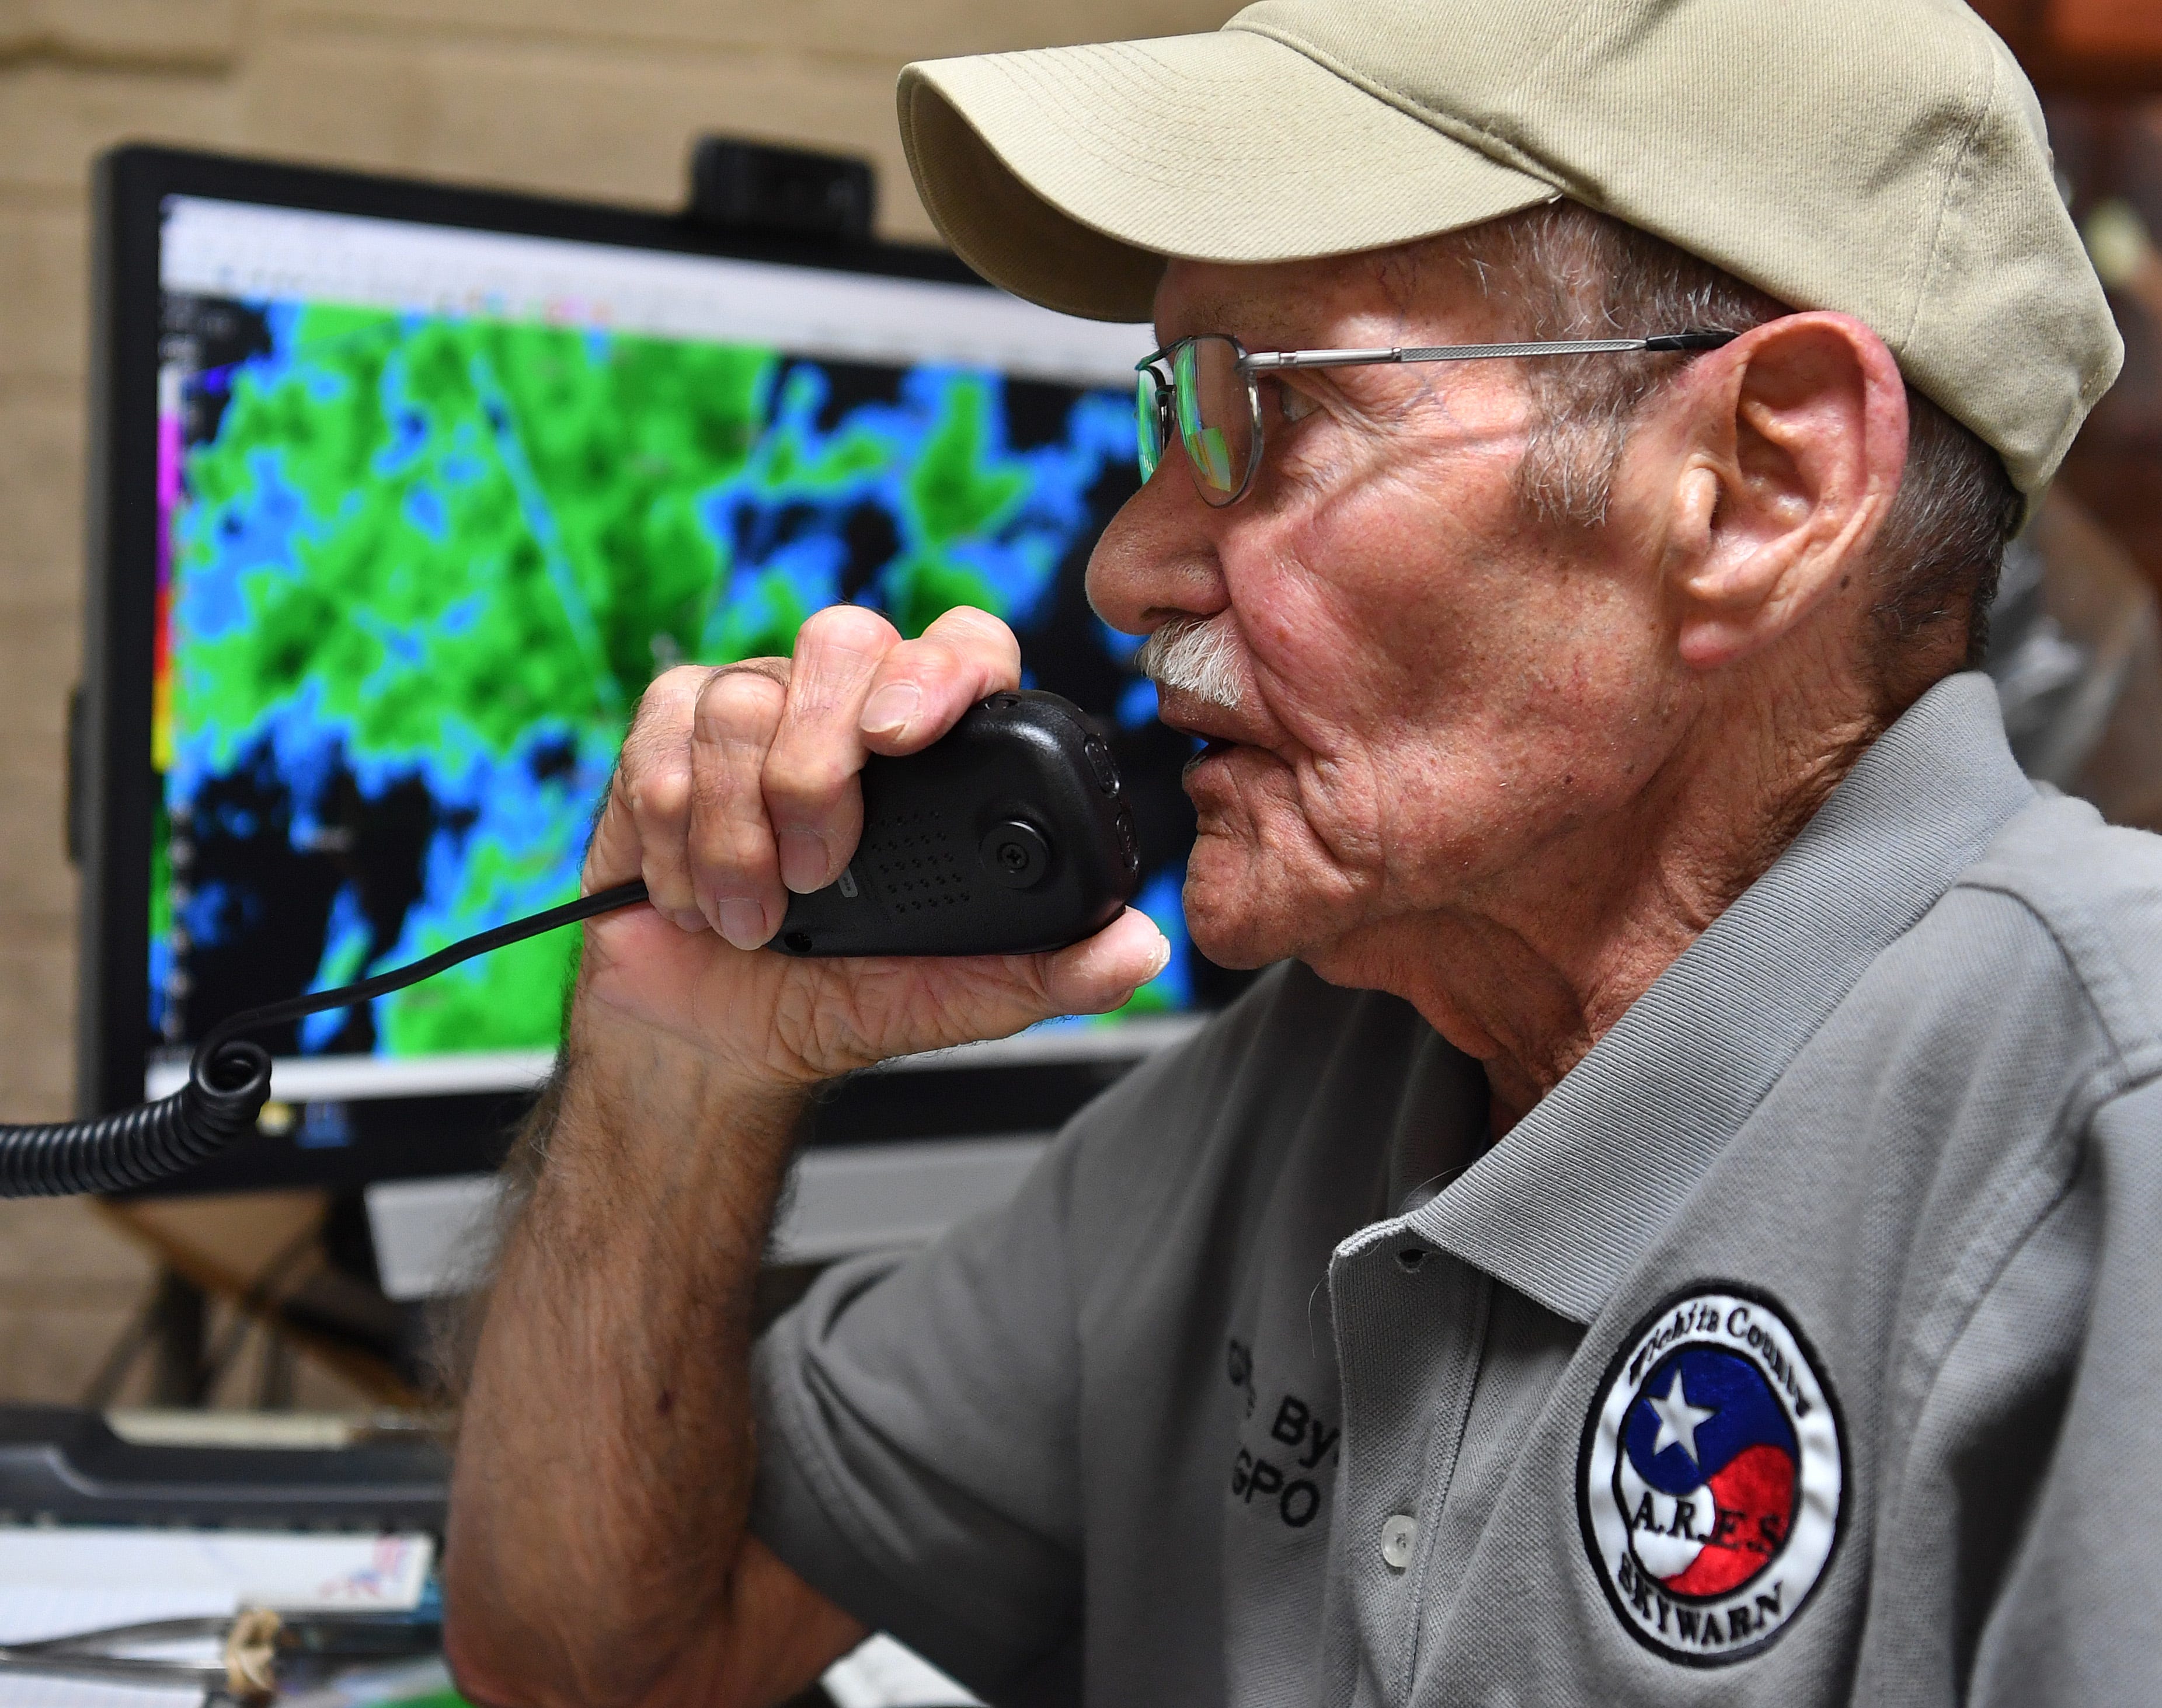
[1205,392]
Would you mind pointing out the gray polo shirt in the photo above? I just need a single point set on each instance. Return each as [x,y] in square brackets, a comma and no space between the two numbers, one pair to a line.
[1803,1344]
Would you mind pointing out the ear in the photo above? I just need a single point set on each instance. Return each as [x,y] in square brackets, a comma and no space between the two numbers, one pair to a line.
[1799,437]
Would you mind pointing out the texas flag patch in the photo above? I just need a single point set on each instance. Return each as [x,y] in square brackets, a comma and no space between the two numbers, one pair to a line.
[1710,1476]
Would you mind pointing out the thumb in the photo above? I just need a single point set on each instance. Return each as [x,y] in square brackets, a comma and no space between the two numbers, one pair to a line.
[1101,972]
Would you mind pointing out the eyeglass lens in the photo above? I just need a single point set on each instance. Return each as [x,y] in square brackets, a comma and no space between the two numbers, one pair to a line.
[1215,414]
[1212,402]
[1148,422]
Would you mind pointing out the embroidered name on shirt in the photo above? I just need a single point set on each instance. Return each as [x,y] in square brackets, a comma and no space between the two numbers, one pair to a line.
[1276,1477]
[1710,1482]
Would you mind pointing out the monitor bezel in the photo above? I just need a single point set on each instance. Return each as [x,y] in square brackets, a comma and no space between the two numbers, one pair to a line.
[113,782]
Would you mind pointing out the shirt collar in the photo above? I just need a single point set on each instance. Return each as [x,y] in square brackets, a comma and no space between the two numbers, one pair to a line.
[1561,1208]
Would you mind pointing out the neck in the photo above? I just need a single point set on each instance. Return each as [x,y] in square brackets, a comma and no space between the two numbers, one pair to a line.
[1528,971]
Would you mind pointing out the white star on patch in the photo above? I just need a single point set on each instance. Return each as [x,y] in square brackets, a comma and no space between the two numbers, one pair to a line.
[1678,1419]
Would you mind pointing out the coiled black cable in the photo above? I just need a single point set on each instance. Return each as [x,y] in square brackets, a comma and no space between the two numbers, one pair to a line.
[229,1081]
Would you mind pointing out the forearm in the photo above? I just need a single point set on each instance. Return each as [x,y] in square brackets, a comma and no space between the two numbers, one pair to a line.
[606,1456]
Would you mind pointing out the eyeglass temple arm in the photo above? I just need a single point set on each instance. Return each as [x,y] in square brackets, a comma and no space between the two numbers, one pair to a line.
[1663,344]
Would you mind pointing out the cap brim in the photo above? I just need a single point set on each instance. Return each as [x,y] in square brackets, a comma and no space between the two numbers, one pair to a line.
[1069,175]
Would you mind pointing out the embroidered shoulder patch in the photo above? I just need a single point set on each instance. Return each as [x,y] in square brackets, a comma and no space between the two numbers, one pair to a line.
[1711,1477]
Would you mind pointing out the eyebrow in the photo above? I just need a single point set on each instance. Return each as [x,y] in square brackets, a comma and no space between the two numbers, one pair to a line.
[1244,313]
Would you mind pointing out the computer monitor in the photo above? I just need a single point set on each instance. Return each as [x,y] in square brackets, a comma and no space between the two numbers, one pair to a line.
[405,493]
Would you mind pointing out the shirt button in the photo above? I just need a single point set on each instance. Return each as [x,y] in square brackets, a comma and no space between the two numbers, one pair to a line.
[1399,1536]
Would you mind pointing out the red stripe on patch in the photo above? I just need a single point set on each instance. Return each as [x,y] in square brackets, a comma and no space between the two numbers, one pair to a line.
[1755,1492]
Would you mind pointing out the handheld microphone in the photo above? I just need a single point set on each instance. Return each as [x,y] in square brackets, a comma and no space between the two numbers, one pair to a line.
[1007,836]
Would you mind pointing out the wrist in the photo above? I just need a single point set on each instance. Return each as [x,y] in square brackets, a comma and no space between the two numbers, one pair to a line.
[639,1051]
[649,1097]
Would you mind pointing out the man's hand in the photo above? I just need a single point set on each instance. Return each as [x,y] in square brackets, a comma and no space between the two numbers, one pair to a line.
[739,785]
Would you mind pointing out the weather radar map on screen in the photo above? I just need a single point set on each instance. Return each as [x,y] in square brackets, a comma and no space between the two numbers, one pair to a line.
[437,504]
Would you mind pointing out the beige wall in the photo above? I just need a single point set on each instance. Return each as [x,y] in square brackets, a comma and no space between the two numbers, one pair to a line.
[584,97]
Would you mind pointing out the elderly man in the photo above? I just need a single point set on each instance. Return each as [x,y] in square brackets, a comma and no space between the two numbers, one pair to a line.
[1672,1226]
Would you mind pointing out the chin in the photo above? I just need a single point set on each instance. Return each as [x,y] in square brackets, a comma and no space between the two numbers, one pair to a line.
[1236,948]
[1228,919]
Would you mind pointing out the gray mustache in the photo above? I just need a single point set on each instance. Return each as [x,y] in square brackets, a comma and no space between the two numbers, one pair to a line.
[1194,656]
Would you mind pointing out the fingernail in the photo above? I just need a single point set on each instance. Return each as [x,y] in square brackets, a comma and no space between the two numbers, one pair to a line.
[804,865]
[742,923]
[1163,957]
[887,712]
[685,918]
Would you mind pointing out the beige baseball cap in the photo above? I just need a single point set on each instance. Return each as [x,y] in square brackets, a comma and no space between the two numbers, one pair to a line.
[1883,158]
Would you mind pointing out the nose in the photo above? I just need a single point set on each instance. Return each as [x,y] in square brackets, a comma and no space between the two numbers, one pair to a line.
[1158,557]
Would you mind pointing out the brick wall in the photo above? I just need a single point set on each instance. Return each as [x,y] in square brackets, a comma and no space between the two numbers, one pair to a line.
[565,96]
